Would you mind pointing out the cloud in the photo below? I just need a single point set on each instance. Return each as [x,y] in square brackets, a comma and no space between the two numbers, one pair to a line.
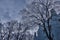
[12,7]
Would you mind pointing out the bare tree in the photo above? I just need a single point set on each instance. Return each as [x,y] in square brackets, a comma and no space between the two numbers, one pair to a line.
[39,13]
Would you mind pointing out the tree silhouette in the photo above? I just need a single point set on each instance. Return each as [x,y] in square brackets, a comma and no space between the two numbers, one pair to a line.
[39,13]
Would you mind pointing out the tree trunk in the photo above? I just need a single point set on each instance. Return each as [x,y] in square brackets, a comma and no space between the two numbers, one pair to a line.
[50,38]
[49,29]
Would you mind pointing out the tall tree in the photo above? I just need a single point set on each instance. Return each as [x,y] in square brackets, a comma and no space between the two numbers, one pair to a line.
[39,13]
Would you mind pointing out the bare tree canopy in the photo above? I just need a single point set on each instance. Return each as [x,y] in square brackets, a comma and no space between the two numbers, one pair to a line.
[40,12]
[38,21]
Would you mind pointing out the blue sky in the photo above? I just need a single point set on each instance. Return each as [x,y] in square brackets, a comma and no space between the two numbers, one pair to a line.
[9,9]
